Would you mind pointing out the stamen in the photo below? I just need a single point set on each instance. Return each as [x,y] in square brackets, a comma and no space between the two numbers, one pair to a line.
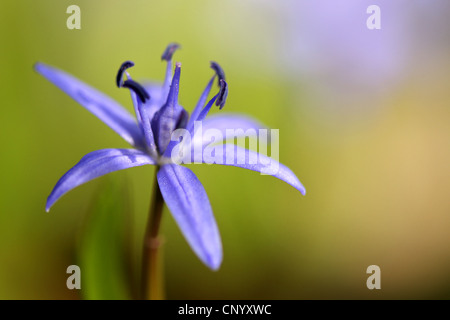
[172,97]
[137,88]
[219,71]
[168,53]
[223,93]
[123,67]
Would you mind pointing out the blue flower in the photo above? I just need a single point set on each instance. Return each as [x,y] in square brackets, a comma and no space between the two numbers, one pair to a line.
[158,115]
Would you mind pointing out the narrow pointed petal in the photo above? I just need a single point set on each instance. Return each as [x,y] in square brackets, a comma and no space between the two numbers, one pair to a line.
[96,164]
[232,155]
[230,125]
[242,160]
[190,207]
[105,108]
[201,102]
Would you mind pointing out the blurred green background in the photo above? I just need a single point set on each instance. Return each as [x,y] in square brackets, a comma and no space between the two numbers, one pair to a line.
[363,118]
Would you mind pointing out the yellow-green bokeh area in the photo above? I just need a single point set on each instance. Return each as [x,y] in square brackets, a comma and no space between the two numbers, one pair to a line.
[372,148]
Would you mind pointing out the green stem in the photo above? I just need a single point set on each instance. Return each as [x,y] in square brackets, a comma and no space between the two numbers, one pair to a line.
[152,287]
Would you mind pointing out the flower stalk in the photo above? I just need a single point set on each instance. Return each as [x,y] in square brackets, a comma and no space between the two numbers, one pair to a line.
[152,280]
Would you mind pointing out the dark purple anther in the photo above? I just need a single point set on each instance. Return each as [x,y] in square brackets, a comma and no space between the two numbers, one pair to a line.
[223,93]
[168,53]
[123,67]
[137,88]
